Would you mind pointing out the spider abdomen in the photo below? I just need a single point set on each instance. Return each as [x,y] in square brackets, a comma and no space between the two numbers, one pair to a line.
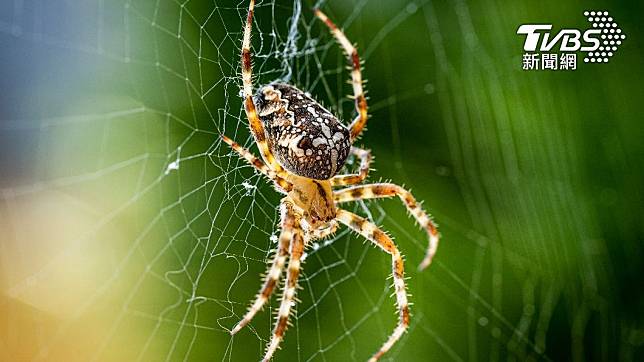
[305,138]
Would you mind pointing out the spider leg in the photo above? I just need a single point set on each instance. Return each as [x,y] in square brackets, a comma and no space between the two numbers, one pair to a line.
[356,75]
[323,233]
[275,270]
[277,176]
[365,162]
[256,126]
[380,190]
[378,237]
[296,251]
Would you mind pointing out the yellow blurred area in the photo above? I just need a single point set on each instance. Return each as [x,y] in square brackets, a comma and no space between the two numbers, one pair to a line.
[45,261]
[65,240]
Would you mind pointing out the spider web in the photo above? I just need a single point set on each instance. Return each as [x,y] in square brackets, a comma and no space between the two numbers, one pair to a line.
[137,235]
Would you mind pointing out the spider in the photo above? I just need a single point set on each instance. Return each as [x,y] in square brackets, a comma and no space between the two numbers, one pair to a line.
[303,146]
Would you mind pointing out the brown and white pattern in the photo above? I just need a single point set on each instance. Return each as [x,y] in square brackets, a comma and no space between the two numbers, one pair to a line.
[306,138]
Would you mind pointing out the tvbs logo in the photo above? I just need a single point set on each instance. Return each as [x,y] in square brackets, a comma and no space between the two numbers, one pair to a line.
[547,51]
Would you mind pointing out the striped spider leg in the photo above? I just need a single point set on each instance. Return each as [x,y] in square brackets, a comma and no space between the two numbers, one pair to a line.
[352,179]
[372,233]
[356,75]
[279,177]
[289,226]
[296,250]
[322,233]
[291,242]
[381,190]
[256,126]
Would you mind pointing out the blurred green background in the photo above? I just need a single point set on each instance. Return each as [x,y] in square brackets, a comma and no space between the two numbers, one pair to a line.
[129,232]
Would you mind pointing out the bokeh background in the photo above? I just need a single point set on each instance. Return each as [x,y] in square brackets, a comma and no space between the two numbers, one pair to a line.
[129,232]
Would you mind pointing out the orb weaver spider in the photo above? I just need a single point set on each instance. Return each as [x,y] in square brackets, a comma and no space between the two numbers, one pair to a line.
[303,146]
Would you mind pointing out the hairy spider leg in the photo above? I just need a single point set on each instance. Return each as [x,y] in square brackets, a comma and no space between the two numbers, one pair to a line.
[275,270]
[256,126]
[356,75]
[323,233]
[381,190]
[288,298]
[279,177]
[352,179]
[382,240]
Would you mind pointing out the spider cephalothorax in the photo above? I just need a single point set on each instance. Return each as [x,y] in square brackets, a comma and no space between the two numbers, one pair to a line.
[306,139]
[303,146]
